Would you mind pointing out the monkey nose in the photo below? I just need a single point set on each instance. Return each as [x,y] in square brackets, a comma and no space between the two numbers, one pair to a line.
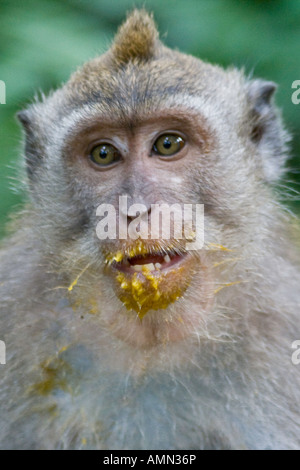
[141,208]
[135,206]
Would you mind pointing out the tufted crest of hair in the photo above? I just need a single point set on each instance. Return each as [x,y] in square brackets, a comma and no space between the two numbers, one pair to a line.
[136,39]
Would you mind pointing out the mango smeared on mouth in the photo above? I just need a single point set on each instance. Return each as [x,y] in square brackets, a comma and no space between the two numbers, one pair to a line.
[149,277]
[117,257]
[143,293]
[138,249]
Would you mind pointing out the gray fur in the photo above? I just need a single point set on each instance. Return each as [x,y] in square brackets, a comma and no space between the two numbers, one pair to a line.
[70,381]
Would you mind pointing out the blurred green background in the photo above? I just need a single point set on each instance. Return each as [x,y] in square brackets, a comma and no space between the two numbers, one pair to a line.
[43,41]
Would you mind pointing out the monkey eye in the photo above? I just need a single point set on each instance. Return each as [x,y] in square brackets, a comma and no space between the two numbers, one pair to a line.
[168,144]
[105,155]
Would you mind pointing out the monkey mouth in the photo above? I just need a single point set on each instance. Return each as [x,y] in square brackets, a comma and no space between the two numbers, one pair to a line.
[155,263]
[150,277]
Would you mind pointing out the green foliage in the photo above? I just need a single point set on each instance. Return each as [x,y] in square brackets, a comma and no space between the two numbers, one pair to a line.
[42,41]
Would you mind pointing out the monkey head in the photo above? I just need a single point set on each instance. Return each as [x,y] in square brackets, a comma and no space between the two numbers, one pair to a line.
[151,125]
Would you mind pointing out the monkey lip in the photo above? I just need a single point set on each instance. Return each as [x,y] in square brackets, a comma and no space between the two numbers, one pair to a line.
[152,279]
[153,262]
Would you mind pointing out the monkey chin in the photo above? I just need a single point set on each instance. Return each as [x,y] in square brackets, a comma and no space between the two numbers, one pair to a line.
[153,281]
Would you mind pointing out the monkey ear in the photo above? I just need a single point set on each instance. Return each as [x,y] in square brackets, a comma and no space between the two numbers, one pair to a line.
[32,147]
[260,95]
[267,131]
[24,118]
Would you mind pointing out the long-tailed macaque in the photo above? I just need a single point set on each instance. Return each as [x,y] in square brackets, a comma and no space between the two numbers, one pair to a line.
[136,342]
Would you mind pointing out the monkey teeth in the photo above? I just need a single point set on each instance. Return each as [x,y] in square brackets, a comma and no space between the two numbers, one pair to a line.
[154,263]
[141,259]
[141,267]
[149,266]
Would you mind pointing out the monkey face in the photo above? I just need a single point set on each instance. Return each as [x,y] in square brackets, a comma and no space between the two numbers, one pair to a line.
[148,273]
[153,126]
